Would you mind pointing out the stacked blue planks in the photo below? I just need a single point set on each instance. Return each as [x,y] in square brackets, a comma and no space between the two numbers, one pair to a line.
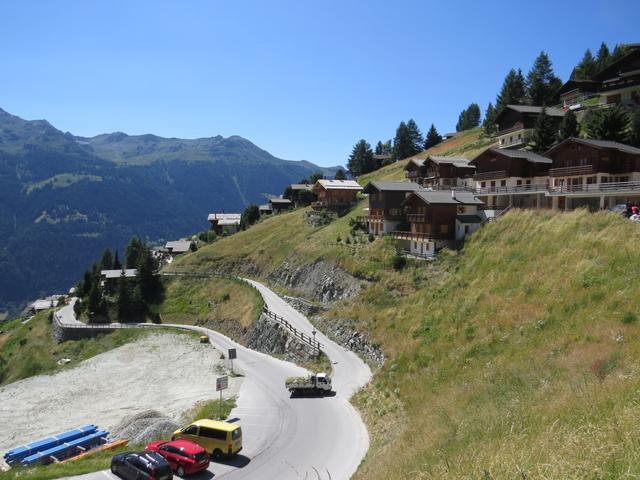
[67,449]
[65,439]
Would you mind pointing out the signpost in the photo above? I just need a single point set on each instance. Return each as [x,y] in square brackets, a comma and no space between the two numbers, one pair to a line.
[231,354]
[222,383]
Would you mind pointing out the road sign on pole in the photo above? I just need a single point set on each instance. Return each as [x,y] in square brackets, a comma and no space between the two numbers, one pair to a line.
[232,353]
[222,383]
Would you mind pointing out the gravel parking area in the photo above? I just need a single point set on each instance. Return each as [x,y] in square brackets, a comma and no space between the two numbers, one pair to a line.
[166,372]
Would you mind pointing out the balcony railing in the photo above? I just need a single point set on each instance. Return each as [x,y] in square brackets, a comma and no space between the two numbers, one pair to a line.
[411,236]
[418,218]
[490,175]
[596,188]
[571,171]
[513,189]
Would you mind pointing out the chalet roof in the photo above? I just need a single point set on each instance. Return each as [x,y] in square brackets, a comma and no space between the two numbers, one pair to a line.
[225,218]
[468,219]
[392,187]
[418,162]
[281,201]
[117,273]
[45,303]
[551,111]
[301,186]
[264,208]
[522,154]
[178,246]
[574,84]
[455,161]
[453,197]
[606,144]
[339,184]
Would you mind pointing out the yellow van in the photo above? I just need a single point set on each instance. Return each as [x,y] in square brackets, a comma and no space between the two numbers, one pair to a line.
[220,439]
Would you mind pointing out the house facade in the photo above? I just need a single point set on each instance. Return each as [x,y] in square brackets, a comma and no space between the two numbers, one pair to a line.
[515,124]
[447,172]
[335,194]
[385,205]
[517,178]
[280,204]
[224,222]
[435,219]
[596,174]
[619,83]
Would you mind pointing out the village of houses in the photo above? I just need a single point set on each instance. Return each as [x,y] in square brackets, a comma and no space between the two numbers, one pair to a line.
[444,199]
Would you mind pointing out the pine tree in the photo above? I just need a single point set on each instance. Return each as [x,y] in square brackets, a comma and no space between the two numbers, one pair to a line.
[134,252]
[116,262]
[569,126]
[619,51]
[544,133]
[147,279]
[106,262]
[604,56]
[469,118]
[361,159]
[251,215]
[94,302]
[403,145]
[340,175]
[609,124]
[513,91]
[124,298]
[415,134]
[433,138]
[542,84]
[489,124]
[634,128]
[587,68]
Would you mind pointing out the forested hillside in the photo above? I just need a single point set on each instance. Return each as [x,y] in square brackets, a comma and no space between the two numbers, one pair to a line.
[64,199]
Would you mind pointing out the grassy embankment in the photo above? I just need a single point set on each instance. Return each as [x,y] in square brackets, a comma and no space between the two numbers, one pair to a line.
[517,357]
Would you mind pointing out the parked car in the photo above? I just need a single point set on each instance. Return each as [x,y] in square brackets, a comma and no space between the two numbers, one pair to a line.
[220,439]
[184,457]
[141,466]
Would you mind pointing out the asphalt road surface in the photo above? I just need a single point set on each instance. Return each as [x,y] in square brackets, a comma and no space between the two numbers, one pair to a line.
[314,438]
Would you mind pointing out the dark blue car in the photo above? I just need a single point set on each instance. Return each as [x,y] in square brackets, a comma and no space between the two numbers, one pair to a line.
[141,466]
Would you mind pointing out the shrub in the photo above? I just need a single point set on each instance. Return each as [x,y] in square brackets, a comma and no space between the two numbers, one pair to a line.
[371,238]
[629,317]
[399,262]
[338,239]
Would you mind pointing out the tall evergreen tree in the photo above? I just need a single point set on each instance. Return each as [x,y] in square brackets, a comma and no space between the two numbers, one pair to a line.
[361,159]
[94,301]
[586,68]
[106,262]
[619,51]
[433,138]
[542,84]
[544,133]
[134,252]
[604,56]
[469,118]
[149,282]
[379,148]
[415,134]
[403,145]
[489,123]
[634,128]
[251,214]
[569,126]
[116,262]
[513,91]
[609,124]
[124,298]
[340,175]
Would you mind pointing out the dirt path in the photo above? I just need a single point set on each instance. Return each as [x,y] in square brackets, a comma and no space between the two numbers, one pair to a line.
[166,372]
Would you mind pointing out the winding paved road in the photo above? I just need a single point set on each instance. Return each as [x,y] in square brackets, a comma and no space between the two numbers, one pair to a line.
[290,438]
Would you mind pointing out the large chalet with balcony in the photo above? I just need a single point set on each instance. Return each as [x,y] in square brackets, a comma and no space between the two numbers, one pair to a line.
[619,83]
[596,174]
[515,124]
[437,220]
[385,205]
[517,178]
[438,172]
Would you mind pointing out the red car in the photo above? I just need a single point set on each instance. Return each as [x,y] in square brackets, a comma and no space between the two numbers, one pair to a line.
[185,457]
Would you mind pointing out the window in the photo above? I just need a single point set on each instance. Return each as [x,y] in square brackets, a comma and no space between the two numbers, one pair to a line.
[518,182]
[466,229]
[483,184]
[528,182]
[192,430]
[503,183]
[237,433]
[212,433]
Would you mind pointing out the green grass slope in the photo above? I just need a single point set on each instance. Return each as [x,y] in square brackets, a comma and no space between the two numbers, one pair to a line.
[514,358]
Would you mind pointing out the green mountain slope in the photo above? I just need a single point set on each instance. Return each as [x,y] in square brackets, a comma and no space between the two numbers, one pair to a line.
[64,199]
[514,358]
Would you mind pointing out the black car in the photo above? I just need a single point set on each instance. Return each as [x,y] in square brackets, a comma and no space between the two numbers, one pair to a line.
[141,466]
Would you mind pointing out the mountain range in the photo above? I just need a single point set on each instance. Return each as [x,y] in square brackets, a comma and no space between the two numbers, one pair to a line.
[64,198]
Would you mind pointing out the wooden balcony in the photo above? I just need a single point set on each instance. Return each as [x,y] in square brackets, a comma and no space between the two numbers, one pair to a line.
[412,236]
[571,171]
[418,218]
[531,188]
[490,175]
[596,188]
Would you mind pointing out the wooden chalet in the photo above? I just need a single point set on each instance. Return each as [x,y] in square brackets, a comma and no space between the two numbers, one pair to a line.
[447,172]
[335,194]
[280,204]
[385,205]
[516,178]
[224,222]
[593,173]
[434,223]
[515,124]
[619,83]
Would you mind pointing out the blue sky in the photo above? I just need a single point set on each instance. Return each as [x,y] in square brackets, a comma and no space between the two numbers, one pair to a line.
[301,79]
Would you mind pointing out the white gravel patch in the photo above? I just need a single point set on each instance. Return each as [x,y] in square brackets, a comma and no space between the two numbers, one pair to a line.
[165,372]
